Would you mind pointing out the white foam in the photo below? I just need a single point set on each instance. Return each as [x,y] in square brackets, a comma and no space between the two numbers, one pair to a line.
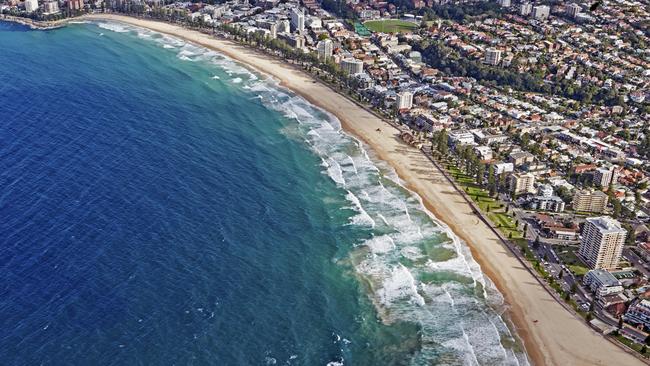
[115,27]
[362,218]
[400,285]
[380,244]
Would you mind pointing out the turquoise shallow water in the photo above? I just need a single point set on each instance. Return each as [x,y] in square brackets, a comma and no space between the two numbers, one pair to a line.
[161,204]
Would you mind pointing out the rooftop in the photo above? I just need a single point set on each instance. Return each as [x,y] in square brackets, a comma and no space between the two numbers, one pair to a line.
[604,277]
[606,224]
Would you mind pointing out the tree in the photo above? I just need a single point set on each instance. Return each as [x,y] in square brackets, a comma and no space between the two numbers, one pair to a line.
[442,143]
[480,172]
[630,238]
[492,185]
[536,242]
[616,208]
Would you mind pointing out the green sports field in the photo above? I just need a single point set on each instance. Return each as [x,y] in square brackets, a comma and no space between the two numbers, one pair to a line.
[390,26]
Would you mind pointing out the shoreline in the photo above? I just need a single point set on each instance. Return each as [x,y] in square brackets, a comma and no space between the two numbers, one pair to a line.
[558,338]
[35,24]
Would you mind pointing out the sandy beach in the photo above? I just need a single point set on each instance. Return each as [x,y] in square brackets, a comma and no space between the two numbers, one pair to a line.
[557,337]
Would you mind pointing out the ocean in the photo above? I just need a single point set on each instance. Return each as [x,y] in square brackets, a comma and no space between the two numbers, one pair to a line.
[160,204]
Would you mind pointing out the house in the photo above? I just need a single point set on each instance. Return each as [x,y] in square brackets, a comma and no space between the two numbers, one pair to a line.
[520,158]
[602,282]
[483,152]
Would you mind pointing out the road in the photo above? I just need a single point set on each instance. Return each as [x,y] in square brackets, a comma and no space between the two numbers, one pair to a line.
[638,263]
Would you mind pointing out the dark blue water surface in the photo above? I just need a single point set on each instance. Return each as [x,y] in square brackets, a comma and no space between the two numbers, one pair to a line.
[152,215]
[161,205]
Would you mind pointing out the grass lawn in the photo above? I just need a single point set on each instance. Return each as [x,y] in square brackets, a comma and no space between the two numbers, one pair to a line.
[568,256]
[578,270]
[635,346]
[390,26]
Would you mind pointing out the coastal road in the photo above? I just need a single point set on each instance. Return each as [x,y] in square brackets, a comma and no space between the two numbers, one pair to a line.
[638,263]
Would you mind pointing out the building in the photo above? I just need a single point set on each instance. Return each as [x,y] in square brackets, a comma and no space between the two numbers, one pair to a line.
[547,203]
[589,201]
[553,228]
[573,10]
[545,190]
[75,4]
[492,56]
[525,9]
[325,49]
[639,313]
[352,66]
[460,138]
[603,177]
[31,5]
[602,282]
[541,12]
[500,168]
[521,183]
[602,242]
[404,100]
[297,20]
[521,157]
[293,40]
[483,152]
[271,26]
[504,3]
[284,26]
[614,304]
[50,7]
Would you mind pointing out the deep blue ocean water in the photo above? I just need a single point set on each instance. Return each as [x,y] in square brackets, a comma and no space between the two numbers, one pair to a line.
[162,205]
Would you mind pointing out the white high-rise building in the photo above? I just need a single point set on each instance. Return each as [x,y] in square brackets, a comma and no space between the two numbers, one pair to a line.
[602,242]
[404,100]
[541,12]
[298,20]
[283,26]
[31,5]
[573,9]
[605,176]
[525,9]
[325,49]
[492,56]
[352,66]
[50,7]
[590,201]
[504,3]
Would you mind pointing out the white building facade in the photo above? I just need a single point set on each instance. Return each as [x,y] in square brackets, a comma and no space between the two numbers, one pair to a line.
[602,242]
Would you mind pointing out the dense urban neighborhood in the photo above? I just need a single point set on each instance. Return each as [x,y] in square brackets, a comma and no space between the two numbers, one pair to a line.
[538,111]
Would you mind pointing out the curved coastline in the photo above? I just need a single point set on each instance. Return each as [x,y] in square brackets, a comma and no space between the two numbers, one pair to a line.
[558,338]
[34,24]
